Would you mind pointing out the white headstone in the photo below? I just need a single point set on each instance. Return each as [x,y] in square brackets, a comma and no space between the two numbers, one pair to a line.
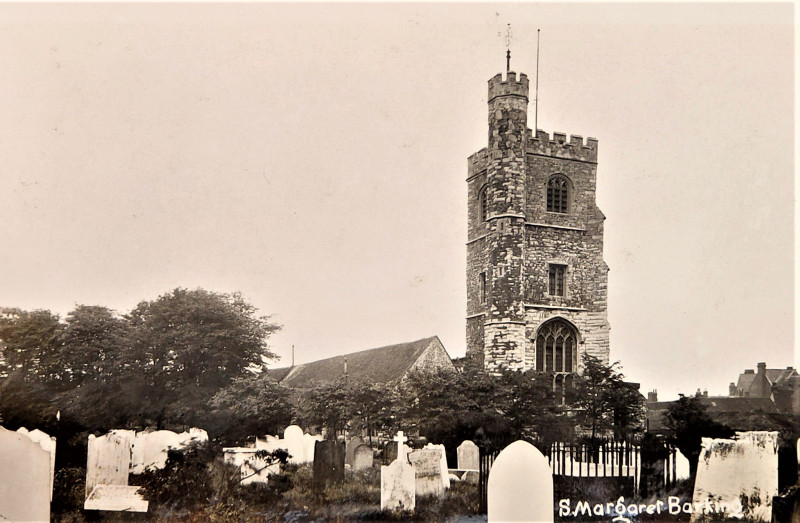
[47,443]
[398,486]
[108,460]
[443,471]
[252,469]
[309,443]
[427,472]
[295,444]
[468,456]
[737,478]
[149,449]
[520,485]
[24,478]
[682,469]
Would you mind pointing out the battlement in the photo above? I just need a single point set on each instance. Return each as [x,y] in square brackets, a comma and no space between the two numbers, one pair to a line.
[510,86]
[558,145]
[477,162]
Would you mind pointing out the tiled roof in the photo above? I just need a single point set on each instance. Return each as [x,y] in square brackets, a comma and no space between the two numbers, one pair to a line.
[380,365]
[718,407]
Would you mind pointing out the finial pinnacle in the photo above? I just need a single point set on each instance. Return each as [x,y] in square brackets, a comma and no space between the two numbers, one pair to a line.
[508,48]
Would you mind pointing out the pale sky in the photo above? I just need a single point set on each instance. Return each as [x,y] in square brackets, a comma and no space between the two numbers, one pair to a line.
[314,157]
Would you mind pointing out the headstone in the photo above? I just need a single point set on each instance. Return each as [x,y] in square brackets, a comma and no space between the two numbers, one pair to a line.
[24,478]
[107,466]
[309,443]
[520,485]
[328,464]
[443,472]
[398,484]
[468,456]
[428,472]
[149,450]
[362,457]
[737,478]
[294,444]
[351,447]
[48,443]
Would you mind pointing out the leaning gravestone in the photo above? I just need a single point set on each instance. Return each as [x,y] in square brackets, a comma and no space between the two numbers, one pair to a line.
[443,470]
[362,457]
[520,485]
[107,466]
[737,478]
[397,481]
[328,464]
[351,447]
[24,478]
[427,471]
[468,456]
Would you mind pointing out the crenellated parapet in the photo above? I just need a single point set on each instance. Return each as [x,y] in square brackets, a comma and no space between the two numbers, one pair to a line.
[510,86]
[559,146]
[477,162]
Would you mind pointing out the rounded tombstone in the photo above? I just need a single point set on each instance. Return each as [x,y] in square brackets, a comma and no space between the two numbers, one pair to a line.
[520,485]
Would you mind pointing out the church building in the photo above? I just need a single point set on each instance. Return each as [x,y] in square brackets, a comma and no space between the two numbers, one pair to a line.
[536,280]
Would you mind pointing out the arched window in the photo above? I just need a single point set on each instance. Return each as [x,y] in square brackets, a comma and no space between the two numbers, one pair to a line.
[558,194]
[483,204]
[556,347]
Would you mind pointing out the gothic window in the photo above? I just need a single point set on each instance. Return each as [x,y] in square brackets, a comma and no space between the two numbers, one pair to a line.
[557,194]
[557,278]
[482,283]
[556,346]
[483,203]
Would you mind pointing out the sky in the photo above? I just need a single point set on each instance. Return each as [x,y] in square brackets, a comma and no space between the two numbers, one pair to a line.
[313,157]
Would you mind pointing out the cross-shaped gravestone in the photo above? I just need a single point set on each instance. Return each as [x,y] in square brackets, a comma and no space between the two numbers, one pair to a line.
[401,449]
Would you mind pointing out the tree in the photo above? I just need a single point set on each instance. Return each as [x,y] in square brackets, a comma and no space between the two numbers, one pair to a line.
[325,406]
[606,401]
[255,405]
[30,342]
[687,423]
[94,342]
[199,338]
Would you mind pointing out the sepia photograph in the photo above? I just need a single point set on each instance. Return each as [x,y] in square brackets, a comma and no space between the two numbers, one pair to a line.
[454,262]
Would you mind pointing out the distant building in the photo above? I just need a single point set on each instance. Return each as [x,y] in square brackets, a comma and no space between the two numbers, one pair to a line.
[536,279]
[761,384]
[382,365]
[730,411]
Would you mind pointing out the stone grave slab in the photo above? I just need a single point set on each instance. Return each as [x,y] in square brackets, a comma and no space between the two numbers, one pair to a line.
[468,456]
[737,478]
[120,498]
[108,460]
[428,472]
[520,485]
[351,447]
[363,457]
[48,443]
[328,464]
[443,472]
[25,489]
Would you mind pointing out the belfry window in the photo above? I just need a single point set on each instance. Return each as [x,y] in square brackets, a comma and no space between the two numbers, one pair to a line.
[483,203]
[556,346]
[557,277]
[558,194]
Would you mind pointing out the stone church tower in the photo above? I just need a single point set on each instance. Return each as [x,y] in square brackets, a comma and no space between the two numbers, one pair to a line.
[536,279]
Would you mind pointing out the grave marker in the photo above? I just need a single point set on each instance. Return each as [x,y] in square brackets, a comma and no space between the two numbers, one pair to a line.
[362,457]
[520,485]
[351,447]
[737,477]
[398,484]
[48,443]
[443,470]
[427,471]
[328,464]
[468,456]
[24,478]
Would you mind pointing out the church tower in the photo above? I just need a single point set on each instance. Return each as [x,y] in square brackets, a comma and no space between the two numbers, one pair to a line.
[536,279]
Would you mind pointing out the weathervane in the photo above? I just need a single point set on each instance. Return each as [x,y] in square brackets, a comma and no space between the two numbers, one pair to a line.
[508,48]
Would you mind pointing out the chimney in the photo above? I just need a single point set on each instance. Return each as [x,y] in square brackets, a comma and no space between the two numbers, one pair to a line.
[749,371]
[762,368]
[732,389]
[652,396]
[705,393]
[698,393]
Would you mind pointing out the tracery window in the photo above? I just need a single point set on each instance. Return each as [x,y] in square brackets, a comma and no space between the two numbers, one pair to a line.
[558,194]
[556,347]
